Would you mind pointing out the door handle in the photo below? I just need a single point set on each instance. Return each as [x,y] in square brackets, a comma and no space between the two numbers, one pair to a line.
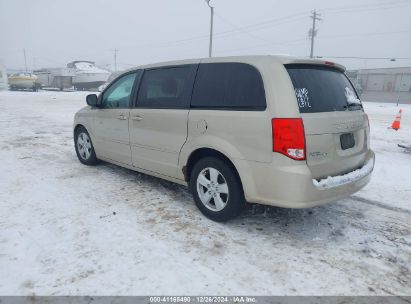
[137,118]
[121,117]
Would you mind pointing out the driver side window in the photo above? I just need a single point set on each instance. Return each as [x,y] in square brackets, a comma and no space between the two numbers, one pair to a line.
[118,95]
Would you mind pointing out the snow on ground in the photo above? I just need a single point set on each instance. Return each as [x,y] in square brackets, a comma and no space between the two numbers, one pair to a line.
[68,229]
[391,182]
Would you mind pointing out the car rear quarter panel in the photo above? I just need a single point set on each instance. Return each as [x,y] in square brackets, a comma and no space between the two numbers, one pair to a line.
[243,135]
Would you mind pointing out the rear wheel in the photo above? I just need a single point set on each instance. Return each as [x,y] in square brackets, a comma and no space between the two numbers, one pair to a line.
[216,189]
[84,147]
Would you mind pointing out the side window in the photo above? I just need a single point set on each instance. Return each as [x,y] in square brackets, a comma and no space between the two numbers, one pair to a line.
[118,95]
[228,86]
[167,87]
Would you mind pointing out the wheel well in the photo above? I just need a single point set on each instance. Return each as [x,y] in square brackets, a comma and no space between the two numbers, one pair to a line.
[206,152]
[76,128]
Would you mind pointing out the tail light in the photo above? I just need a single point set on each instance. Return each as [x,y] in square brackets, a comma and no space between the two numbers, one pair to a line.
[288,137]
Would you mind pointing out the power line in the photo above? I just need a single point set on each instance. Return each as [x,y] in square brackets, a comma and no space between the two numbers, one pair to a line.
[286,19]
[248,29]
[296,17]
[296,41]
[267,23]
[255,26]
[241,30]
[264,24]
[369,6]
[364,34]
[364,6]
[281,43]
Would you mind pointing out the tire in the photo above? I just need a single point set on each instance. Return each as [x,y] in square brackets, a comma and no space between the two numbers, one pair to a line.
[84,147]
[217,202]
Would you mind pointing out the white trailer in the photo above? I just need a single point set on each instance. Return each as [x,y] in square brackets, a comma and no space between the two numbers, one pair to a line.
[60,78]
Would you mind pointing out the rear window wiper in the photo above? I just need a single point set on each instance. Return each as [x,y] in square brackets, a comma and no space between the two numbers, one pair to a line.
[353,106]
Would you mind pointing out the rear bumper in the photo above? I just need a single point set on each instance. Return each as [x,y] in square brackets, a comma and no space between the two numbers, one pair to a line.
[292,186]
[332,182]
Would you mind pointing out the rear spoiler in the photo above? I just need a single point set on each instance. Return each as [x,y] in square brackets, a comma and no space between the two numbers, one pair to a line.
[318,62]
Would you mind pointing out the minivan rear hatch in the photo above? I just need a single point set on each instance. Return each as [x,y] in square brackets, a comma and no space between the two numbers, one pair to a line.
[336,127]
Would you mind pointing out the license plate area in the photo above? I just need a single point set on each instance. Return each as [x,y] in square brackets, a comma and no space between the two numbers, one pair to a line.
[347,141]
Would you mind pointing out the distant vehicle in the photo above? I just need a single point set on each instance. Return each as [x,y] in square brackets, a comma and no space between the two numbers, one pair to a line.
[271,130]
[23,81]
[87,75]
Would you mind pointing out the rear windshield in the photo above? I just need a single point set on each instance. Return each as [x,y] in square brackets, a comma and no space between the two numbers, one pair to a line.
[322,89]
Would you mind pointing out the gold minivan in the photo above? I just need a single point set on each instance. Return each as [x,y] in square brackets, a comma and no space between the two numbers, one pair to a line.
[272,130]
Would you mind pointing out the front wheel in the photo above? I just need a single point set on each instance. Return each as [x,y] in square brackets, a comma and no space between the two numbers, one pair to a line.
[84,147]
[216,189]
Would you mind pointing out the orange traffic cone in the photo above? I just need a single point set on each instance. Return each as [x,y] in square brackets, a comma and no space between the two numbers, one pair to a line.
[396,123]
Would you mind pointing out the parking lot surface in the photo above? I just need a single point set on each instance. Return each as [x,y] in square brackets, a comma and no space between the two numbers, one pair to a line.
[68,229]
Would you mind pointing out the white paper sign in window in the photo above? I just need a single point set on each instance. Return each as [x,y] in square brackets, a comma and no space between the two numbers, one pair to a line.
[303,98]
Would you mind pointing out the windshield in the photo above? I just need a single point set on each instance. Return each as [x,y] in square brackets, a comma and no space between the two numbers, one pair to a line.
[322,89]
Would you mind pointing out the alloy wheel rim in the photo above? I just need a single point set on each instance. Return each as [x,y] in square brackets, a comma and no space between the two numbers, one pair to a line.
[84,145]
[212,189]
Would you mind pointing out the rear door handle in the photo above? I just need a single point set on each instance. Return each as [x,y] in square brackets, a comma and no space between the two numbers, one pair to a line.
[122,117]
[137,118]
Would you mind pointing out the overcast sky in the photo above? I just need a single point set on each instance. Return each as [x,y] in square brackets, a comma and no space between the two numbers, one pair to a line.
[54,32]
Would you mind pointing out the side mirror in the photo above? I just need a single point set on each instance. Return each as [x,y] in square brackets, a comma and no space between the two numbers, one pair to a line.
[92,100]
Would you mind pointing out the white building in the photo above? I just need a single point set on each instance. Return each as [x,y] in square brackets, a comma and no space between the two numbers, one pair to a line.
[385,79]
[3,77]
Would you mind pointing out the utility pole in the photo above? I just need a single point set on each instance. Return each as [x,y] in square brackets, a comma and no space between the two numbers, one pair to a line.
[313,31]
[25,59]
[115,60]
[210,47]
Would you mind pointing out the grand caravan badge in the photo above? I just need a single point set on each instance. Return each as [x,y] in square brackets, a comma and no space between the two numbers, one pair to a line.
[317,155]
[348,125]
